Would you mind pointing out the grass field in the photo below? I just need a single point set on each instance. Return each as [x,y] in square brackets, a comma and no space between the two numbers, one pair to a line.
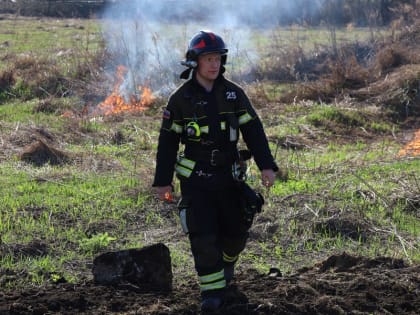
[343,186]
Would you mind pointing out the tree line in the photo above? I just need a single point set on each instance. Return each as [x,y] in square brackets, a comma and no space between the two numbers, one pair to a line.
[282,12]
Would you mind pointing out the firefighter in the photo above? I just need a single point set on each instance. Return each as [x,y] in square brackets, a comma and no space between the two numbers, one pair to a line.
[206,115]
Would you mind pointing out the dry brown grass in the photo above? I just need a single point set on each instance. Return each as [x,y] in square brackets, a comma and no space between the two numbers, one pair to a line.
[390,78]
[7,79]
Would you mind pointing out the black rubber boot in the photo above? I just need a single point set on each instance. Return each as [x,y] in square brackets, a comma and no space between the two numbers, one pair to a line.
[212,301]
[229,272]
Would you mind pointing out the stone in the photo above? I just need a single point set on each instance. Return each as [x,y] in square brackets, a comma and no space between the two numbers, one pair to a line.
[148,268]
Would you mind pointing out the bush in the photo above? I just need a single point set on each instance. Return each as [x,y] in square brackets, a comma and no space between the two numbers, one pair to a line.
[7,80]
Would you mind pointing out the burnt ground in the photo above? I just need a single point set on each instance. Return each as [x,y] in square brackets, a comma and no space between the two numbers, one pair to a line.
[341,284]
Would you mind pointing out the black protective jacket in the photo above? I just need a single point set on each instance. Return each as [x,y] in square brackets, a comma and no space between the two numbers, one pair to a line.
[208,124]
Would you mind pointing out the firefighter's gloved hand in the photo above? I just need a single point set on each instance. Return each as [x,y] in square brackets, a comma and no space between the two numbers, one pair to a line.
[164,193]
[268,177]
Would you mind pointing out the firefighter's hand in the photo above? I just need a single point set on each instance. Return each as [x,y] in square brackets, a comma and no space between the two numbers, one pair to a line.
[164,193]
[268,177]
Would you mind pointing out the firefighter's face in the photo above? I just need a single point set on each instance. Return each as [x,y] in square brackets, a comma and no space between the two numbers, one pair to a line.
[209,66]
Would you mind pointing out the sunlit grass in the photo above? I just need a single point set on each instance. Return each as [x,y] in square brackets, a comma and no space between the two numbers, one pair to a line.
[39,36]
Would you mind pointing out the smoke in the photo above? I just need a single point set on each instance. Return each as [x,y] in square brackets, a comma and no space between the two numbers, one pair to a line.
[150,37]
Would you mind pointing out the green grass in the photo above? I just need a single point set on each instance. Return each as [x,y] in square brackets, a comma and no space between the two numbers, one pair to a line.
[101,200]
[40,36]
[310,38]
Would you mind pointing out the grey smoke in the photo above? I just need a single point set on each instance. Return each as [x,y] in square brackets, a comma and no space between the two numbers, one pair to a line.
[150,37]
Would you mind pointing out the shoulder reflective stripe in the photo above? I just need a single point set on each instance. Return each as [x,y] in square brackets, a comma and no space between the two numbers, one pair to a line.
[213,286]
[213,276]
[183,171]
[223,125]
[226,112]
[204,129]
[187,163]
[228,258]
[176,127]
[243,119]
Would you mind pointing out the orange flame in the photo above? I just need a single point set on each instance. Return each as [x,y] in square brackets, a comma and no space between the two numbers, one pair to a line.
[169,197]
[412,148]
[116,103]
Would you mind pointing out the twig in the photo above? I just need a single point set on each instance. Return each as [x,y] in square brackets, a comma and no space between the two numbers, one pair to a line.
[311,210]
[44,90]
[401,242]
[385,200]
[400,239]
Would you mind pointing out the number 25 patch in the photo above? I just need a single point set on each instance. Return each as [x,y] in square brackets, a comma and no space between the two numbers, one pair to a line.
[231,95]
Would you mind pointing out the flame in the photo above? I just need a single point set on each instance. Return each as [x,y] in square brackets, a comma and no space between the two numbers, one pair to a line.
[412,148]
[116,103]
[169,197]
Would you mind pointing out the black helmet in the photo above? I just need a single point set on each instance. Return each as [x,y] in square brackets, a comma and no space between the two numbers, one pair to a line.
[205,42]
[201,43]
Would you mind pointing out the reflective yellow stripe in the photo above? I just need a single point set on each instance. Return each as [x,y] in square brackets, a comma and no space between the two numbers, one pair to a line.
[213,286]
[223,125]
[243,119]
[176,127]
[183,171]
[228,258]
[184,166]
[213,281]
[204,129]
[187,163]
[213,276]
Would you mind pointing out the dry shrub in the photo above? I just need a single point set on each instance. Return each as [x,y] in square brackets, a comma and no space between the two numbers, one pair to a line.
[52,105]
[25,62]
[343,73]
[327,73]
[385,73]
[90,65]
[399,92]
[346,72]
[38,77]
[7,79]
[389,57]
[285,64]
[52,76]
[85,78]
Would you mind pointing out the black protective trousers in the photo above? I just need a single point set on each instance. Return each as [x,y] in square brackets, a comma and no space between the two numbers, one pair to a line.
[215,223]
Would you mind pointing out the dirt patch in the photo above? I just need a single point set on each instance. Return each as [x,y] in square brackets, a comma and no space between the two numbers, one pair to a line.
[345,224]
[342,284]
[40,153]
[33,249]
